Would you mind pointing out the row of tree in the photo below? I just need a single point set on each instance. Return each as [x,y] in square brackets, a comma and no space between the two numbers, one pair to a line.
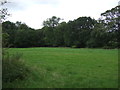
[82,32]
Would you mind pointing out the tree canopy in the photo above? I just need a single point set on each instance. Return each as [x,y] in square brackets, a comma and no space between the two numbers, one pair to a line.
[82,32]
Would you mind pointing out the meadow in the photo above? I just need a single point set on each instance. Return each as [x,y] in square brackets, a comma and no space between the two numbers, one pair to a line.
[68,68]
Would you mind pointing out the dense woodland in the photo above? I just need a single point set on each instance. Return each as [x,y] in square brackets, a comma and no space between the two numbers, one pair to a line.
[83,32]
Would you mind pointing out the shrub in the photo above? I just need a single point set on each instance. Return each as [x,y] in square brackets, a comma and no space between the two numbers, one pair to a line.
[74,46]
[13,67]
[111,45]
[106,47]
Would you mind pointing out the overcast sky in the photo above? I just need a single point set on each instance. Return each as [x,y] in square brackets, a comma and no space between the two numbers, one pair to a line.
[34,12]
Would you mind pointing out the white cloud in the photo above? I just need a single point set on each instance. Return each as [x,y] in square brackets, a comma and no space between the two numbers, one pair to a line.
[34,12]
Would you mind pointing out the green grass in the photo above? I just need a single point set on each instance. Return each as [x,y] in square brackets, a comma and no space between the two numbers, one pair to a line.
[68,68]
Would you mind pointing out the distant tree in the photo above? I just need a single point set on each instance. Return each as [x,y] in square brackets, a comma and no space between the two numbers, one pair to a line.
[9,28]
[39,38]
[59,34]
[81,32]
[98,36]
[24,36]
[49,30]
[78,31]
[84,26]
[51,22]
[111,21]
[110,18]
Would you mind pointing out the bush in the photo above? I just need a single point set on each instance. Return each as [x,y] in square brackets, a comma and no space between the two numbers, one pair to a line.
[74,46]
[106,47]
[111,45]
[13,67]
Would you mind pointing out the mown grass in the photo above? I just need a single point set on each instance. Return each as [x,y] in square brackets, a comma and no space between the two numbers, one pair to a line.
[68,68]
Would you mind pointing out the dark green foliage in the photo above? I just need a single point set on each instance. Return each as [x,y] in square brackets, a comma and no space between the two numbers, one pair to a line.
[50,31]
[51,22]
[98,36]
[49,36]
[112,22]
[60,34]
[24,38]
[13,68]
[5,38]
[9,28]
[80,33]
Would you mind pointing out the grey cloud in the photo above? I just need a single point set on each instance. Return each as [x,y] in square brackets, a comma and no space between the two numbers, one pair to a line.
[23,4]
[15,5]
[47,1]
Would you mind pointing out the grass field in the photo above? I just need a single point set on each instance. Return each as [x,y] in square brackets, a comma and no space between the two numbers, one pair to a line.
[68,68]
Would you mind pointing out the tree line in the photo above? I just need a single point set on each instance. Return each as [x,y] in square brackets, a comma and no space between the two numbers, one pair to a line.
[83,32]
